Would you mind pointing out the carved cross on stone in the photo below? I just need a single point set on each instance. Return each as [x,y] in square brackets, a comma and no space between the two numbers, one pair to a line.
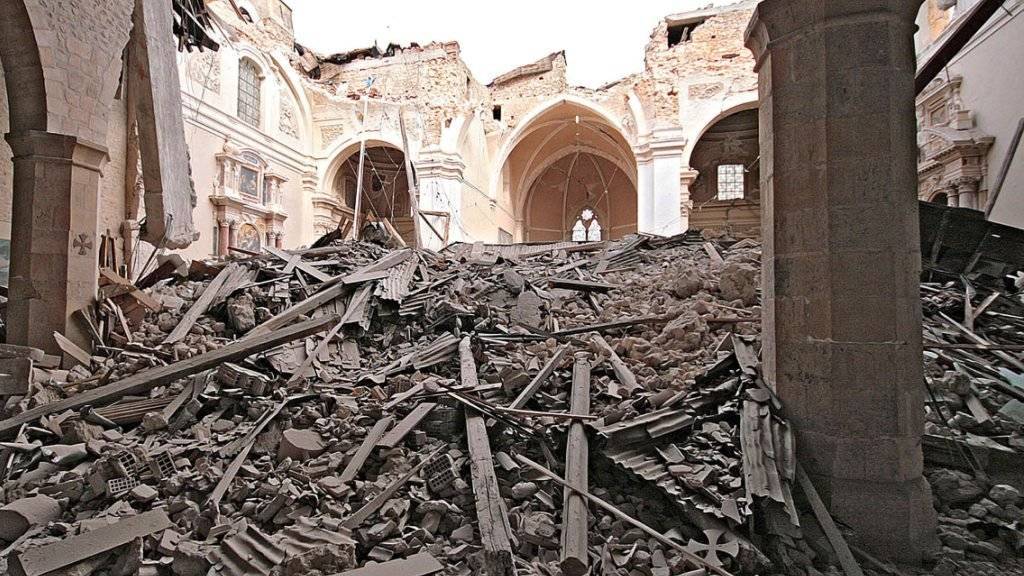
[713,547]
[82,243]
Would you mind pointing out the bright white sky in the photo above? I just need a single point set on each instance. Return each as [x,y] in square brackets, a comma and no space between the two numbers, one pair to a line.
[602,43]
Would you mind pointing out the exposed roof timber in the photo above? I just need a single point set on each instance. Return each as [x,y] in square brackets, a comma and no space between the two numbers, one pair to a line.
[961,32]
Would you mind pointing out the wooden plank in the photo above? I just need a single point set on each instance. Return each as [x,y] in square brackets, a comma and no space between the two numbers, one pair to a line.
[15,376]
[846,559]
[575,560]
[289,314]
[148,379]
[299,264]
[492,517]
[200,306]
[72,349]
[622,372]
[421,564]
[610,326]
[414,192]
[49,557]
[716,258]
[396,435]
[359,516]
[581,285]
[540,378]
[129,288]
[365,449]
[679,548]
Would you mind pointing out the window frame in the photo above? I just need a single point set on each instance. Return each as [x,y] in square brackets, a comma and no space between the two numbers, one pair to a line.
[250,101]
[729,178]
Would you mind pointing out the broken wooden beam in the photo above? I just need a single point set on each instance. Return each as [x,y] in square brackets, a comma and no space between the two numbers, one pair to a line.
[610,326]
[299,264]
[581,285]
[540,378]
[575,560]
[365,449]
[622,372]
[149,379]
[492,517]
[406,425]
[44,559]
[359,516]
[828,526]
[690,556]
[201,304]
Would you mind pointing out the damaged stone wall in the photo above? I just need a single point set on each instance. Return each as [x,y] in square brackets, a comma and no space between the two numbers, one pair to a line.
[712,66]
[432,80]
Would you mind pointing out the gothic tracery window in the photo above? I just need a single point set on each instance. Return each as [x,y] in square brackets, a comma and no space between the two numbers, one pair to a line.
[249,92]
[586,228]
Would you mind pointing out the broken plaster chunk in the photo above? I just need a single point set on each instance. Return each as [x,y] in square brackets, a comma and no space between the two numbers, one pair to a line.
[19,516]
[300,445]
[144,493]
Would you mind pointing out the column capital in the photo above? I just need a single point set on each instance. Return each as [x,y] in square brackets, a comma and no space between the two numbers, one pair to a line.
[435,163]
[688,175]
[54,147]
[776,21]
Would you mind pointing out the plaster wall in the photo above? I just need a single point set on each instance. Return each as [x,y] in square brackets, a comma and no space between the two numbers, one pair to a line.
[993,95]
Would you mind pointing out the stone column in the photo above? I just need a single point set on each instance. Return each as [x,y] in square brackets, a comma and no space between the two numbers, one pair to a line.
[841,261]
[279,240]
[223,238]
[667,193]
[967,191]
[952,196]
[644,189]
[233,233]
[440,182]
[53,244]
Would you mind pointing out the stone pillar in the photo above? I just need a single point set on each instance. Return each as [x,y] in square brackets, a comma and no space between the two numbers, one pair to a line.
[223,238]
[644,190]
[667,188]
[688,177]
[841,261]
[952,196]
[967,191]
[233,233]
[53,247]
[440,181]
[279,240]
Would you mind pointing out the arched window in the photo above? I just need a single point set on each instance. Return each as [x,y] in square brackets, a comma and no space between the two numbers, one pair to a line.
[249,92]
[586,228]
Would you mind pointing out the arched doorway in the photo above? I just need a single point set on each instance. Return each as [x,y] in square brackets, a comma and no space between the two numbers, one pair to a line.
[385,189]
[940,198]
[726,194]
[570,175]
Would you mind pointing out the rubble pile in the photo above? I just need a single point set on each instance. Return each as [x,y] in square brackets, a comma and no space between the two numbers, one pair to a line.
[555,409]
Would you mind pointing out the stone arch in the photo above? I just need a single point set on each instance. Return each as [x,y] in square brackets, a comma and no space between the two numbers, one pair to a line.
[339,152]
[23,71]
[528,124]
[731,106]
[730,141]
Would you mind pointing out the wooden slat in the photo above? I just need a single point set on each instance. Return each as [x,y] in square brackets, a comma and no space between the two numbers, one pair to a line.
[356,519]
[540,378]
[396,435]
[299,264]
[492,517]
[575,560]
[846,559]
[200,306]
[365,449]
[624,375]
[49,557]
[582,491]
[148,379]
